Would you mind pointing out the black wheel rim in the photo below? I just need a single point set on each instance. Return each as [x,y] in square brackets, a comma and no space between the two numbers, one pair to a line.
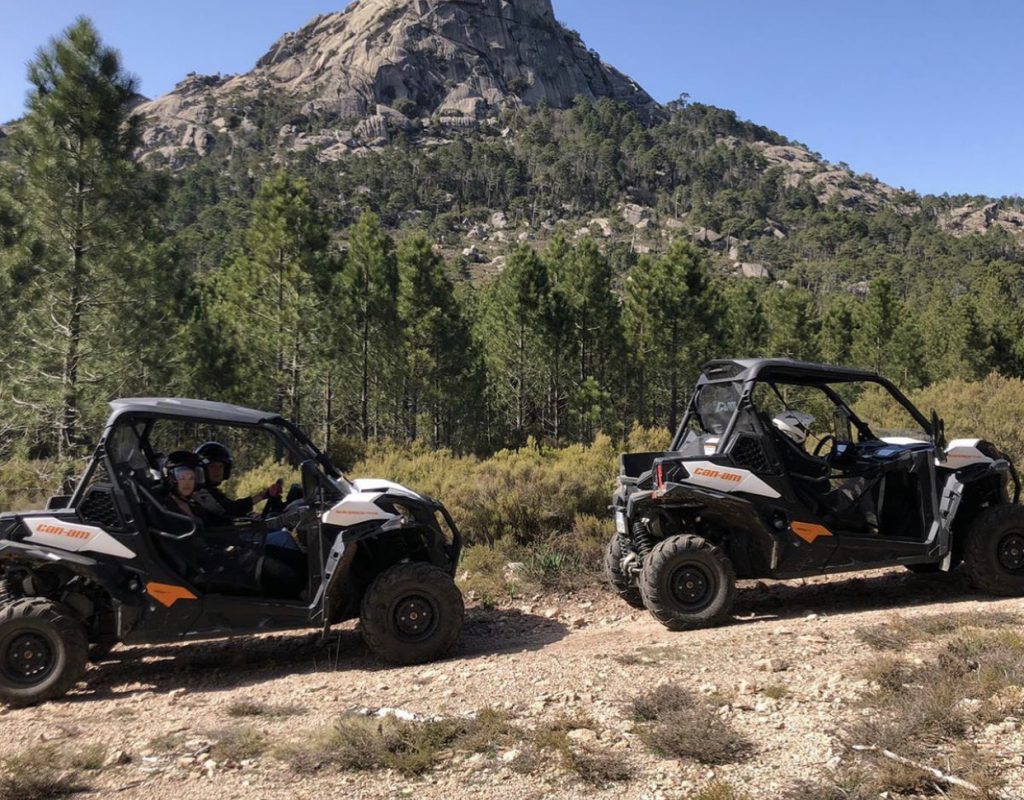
[28,658]
[1011,552]
[415,618]
[692,587]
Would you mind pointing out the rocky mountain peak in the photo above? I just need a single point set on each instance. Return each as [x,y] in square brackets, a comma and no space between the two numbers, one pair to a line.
[384,64]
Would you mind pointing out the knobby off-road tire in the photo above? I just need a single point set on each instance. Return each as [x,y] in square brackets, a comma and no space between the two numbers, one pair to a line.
[412,613]
[687,582]
[994,551]
[43,651]
[620,582]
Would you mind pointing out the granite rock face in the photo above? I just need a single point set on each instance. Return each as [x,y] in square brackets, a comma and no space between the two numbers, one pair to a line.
[384,65]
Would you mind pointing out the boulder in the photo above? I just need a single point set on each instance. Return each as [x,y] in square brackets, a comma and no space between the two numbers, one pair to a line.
[634,214]
[499,221]
[707,235]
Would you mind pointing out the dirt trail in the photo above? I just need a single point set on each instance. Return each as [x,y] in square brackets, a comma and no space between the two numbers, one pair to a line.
[586,654]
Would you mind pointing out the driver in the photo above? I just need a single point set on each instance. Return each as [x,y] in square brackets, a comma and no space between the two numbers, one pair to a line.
[217,461]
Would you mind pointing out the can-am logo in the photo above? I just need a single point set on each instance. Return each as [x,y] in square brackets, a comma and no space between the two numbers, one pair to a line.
[57,530]
[714,473]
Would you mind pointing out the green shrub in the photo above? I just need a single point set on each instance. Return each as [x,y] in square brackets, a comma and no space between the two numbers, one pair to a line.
[987,409]
[27,484]
[524,495]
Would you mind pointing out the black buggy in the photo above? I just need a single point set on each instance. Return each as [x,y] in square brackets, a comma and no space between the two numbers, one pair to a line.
[784,469]
[111,563]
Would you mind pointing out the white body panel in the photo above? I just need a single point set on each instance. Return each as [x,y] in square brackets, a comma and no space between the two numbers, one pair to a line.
[726,479]
[959,452]
[962,453]
[62,535]
[381,486]
[360,506]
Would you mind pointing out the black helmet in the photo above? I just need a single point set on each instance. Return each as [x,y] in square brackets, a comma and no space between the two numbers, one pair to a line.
[215,451]
[181,459]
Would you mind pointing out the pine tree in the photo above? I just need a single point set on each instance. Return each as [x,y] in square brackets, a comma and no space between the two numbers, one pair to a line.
[265,310]
[439,357]
[793,324]
[877,321]
[511,329]
[671,321]
[369,288]
[90,269]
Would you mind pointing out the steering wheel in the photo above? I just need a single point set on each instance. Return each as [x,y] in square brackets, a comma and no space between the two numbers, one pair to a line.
[828,438]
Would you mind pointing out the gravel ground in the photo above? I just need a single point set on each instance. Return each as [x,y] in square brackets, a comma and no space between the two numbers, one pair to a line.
[155,708]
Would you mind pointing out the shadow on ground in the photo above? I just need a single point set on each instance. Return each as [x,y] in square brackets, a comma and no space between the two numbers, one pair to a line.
[886,590]
[229,664]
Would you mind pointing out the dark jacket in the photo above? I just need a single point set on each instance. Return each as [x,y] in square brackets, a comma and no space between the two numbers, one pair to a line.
[219,508]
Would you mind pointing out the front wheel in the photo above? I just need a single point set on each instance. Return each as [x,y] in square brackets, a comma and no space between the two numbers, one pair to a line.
[623,586]
[43,651]
[994,552]
[412,613]
[688,582]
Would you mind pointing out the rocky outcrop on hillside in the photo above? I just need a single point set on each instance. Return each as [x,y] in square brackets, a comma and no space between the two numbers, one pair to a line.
[980,217]
[353,78]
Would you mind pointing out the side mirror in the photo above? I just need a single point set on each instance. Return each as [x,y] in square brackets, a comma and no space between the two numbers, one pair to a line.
[938,431]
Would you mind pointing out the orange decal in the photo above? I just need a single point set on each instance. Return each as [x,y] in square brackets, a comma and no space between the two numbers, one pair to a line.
[167,594]
[714,473]
[58,530]
[809,532]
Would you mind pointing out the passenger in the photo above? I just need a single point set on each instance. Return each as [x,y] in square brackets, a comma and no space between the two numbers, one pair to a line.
[181,476]
[227,566]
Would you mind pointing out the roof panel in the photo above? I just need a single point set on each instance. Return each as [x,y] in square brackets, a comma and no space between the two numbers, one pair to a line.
[184,408]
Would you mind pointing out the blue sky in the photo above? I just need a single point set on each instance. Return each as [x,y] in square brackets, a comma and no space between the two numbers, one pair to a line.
[924,94]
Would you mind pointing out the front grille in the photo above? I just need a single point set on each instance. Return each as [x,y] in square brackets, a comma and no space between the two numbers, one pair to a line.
[748,452]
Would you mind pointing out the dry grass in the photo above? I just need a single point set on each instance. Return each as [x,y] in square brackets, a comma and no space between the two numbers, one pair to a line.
[925,710]
[899,633]
[88,757]
[39,773]
[721,790]
[357,742]
[593,766]
[237,743]
[248,708]
[679,724]
[776,691]
[167,742]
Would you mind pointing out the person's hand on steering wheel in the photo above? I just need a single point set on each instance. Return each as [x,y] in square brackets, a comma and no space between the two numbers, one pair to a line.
[828,438]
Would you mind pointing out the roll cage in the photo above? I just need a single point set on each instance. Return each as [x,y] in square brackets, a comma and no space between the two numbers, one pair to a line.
[739,379]
[126,440]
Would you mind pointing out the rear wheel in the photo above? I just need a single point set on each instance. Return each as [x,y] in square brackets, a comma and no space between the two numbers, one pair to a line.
[620,582]
[43,651]
[994,552]
[688,582]
[412,613]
